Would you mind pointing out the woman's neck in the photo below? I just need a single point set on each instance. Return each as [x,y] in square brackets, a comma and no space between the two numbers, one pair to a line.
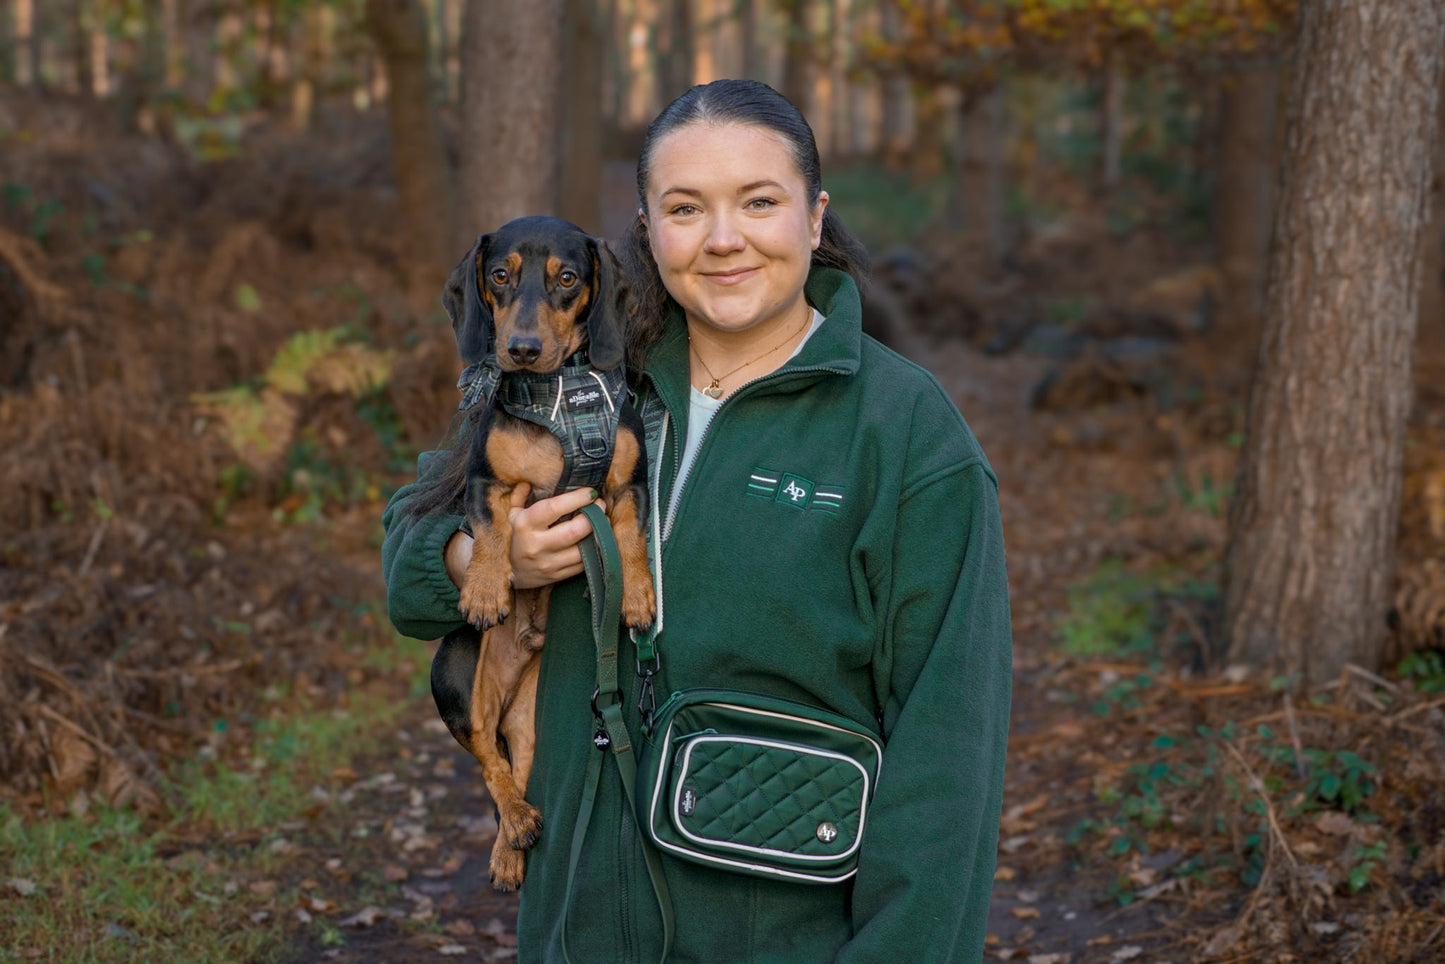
[727,360]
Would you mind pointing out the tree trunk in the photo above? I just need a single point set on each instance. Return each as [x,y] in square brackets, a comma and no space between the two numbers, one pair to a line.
[7,42]
[978,195]
[1244,198]
[754,64]
[927,150]
[423,181]
[798,55]
[675,51]
[580,134]
[1432,258]
[511,105]
[198,33]
[1311,548]
[80,48]
[897,133]
[27,65]
[174,44]
[1111,127]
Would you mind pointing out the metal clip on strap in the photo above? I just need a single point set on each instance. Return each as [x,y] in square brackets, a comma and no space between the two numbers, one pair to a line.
[603,564]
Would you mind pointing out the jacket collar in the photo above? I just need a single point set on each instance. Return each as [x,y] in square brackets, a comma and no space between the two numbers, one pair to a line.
[835,348]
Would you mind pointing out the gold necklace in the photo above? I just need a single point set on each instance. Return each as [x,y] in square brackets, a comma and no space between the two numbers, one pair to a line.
[714,390]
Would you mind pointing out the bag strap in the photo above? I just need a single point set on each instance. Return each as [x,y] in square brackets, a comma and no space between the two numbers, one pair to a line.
[603,565]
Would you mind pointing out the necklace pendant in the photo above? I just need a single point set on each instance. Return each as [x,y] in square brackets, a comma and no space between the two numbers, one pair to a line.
[713,391]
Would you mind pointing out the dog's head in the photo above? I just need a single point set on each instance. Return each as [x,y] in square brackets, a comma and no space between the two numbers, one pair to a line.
[534,292]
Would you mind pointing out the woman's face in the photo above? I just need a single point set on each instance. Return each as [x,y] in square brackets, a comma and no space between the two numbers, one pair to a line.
[730,227]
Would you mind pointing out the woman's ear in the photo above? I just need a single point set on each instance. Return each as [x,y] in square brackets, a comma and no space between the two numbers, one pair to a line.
[820,207]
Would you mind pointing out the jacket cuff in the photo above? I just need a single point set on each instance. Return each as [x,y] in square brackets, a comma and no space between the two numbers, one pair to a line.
[433,543]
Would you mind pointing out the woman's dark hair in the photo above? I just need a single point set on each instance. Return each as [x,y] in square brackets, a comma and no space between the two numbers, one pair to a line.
[747,102]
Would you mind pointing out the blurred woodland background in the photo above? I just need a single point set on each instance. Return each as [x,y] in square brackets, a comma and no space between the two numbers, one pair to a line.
[1178,261]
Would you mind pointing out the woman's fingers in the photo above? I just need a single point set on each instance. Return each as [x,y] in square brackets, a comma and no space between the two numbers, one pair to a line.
[544,539]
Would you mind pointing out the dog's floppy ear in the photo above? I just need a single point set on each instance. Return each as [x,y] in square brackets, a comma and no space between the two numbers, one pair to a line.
[471,318]
[608,313]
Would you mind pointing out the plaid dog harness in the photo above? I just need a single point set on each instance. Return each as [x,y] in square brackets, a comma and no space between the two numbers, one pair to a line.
[577,403]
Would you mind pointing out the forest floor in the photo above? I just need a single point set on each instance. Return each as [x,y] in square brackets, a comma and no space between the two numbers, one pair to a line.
[198,689]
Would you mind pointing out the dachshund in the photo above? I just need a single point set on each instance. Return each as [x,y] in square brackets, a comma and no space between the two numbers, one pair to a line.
[537,308]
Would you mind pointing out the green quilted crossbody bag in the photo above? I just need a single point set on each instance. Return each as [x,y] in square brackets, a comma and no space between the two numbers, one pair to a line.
[757,785]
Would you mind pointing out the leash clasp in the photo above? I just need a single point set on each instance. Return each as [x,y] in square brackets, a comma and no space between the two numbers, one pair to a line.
[647,692]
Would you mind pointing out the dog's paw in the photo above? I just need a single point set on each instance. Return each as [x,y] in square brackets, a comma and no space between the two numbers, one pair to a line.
[520,828]
[484,610]
[508,867]
[639,605]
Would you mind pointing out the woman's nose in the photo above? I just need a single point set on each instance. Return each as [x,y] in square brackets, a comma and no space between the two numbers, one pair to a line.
[723,235]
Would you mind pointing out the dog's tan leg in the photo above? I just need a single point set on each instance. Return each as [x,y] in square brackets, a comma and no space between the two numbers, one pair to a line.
[639,602]
[486,596]
[499,669]
[519,728]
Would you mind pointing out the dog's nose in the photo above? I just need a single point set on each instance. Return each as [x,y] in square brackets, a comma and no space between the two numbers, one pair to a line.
[524,349]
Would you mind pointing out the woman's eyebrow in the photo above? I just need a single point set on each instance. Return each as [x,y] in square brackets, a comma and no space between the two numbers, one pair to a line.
[689,191]
[755,185]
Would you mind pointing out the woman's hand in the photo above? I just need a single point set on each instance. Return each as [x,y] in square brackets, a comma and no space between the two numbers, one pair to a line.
[544,550]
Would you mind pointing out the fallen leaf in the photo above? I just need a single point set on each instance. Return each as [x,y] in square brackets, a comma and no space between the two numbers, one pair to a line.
[365,917]
[1005,873]
[1025,913]
[1127,953]
[1334,822]
[21,886]
[394,873]
[460,928]
[262,888]
[451,950]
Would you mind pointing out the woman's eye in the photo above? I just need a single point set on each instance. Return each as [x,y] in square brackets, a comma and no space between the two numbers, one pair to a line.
[567,279]
[685,210]
[499,276]
[761,203]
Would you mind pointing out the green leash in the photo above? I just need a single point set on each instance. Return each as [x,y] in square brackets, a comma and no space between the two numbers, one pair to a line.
[603,565]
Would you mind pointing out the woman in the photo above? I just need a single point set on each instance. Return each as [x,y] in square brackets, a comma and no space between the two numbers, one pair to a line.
[829,534]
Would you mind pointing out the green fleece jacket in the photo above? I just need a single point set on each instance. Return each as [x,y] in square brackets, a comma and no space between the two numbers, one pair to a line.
[837,542]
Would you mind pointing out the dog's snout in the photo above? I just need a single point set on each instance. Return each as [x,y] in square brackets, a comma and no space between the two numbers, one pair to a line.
[524,349]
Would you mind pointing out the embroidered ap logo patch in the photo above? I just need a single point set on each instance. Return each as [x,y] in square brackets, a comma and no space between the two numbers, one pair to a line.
[787,488]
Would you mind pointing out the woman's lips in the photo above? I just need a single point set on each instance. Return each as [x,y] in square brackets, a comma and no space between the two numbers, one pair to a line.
[729,277]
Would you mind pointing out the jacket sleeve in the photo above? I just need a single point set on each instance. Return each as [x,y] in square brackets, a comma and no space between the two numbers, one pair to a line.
[420,598]
[925,873]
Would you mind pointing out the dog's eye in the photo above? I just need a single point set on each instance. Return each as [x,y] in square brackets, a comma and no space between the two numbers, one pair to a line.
[500,276]
[567,279]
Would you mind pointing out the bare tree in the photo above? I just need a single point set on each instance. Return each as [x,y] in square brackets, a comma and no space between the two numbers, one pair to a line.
[580,133]
[423,180]
[1244,195]
[1312,529]
[511,106]
[1432,274]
